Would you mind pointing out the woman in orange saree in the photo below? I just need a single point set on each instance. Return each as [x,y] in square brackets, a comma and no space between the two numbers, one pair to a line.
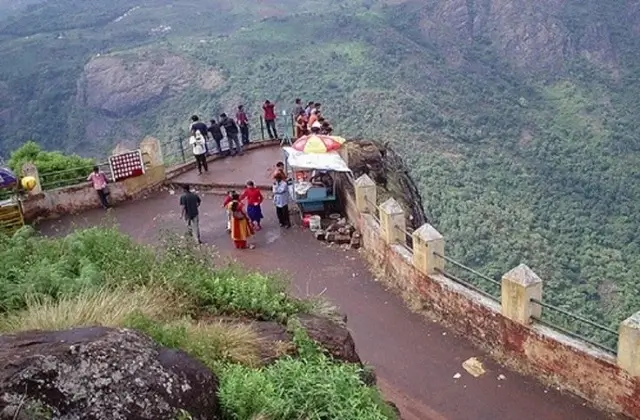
[241,229]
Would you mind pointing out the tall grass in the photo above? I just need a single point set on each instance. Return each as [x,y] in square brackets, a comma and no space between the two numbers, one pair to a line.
[93,307]
[211,343]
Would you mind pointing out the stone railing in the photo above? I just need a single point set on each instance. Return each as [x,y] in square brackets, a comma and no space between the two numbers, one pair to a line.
[507,326]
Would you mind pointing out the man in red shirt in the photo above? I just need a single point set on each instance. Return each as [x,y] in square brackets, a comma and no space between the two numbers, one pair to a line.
[243,123]
[270,118]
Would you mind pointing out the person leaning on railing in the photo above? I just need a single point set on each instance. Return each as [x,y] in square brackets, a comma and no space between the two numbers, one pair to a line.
[99,180]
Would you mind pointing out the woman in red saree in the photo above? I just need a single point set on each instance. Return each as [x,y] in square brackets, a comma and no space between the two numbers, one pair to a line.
[241,229]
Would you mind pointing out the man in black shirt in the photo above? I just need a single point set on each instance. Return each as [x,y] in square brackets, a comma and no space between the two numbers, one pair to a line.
[231,129]
[216,133]
[190,203]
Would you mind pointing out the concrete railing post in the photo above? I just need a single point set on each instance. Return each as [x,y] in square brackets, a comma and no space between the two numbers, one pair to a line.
[152,147]
[392,221]
[519,286]
[30,169]
[428,249]
[629,345]
[366,194]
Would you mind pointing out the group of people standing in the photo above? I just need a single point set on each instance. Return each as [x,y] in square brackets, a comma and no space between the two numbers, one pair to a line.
[242,221]
[245,220]
[236,131]
[309,119]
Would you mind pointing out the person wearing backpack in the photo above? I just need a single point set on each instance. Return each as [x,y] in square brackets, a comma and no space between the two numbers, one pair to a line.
[198,126]
[231,129]
[198,141]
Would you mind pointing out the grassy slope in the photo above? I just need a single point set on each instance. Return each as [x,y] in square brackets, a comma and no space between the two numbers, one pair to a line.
[511,169]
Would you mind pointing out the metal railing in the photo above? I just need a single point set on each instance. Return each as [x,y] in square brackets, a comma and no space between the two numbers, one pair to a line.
[376,210]
[58,179]
[486,285]
[178,150]
[407,241]
[607,337]
[491,288]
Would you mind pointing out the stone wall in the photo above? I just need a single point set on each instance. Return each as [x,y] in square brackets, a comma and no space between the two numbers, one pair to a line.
[505,329]
[47,204]
[67,200]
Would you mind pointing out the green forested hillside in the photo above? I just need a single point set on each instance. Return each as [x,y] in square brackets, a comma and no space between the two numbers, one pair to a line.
[518,119]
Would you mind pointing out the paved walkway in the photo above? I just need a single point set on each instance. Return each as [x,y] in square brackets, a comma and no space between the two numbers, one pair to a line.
[415,359]
[256,165]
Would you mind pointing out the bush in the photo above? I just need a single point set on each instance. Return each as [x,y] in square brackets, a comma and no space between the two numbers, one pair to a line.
[312,387]
[55,169]
[104,257]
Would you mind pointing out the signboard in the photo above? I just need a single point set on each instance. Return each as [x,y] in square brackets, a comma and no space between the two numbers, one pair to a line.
[126,165]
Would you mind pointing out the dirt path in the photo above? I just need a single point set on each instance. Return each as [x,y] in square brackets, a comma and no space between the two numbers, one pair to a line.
[415,359]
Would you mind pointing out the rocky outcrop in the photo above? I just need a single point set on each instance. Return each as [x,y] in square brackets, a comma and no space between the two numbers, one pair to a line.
[530,35]
[126,84]
[101,373]
[333,336]
[388,171]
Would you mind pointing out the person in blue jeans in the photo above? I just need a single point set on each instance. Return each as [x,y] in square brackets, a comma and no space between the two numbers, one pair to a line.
[243,123]
[216,132]
[231,129]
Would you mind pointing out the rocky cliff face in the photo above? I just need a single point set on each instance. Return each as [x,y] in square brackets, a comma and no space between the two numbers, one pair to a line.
[122,85]
[387,169]
[530,35]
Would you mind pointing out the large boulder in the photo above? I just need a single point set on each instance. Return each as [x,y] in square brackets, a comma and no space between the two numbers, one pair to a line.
[101,373]
[333,336]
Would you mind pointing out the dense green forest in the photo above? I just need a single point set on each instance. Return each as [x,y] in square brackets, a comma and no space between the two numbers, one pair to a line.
[522,157]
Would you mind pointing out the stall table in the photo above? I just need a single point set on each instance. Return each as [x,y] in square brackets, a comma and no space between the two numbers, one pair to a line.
[315,198]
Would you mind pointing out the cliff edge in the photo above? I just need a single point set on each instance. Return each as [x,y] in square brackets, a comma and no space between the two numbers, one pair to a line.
[387,169]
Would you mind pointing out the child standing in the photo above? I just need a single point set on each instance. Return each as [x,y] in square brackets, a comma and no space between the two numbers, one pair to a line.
[254,200]
[228,199]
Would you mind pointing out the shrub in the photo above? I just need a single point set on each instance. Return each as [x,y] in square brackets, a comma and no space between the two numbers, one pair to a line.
[31,265]
[312,387]
[291,389]
[55,169]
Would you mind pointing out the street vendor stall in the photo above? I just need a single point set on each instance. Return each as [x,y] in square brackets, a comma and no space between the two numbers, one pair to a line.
[313,188]
[11,218]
